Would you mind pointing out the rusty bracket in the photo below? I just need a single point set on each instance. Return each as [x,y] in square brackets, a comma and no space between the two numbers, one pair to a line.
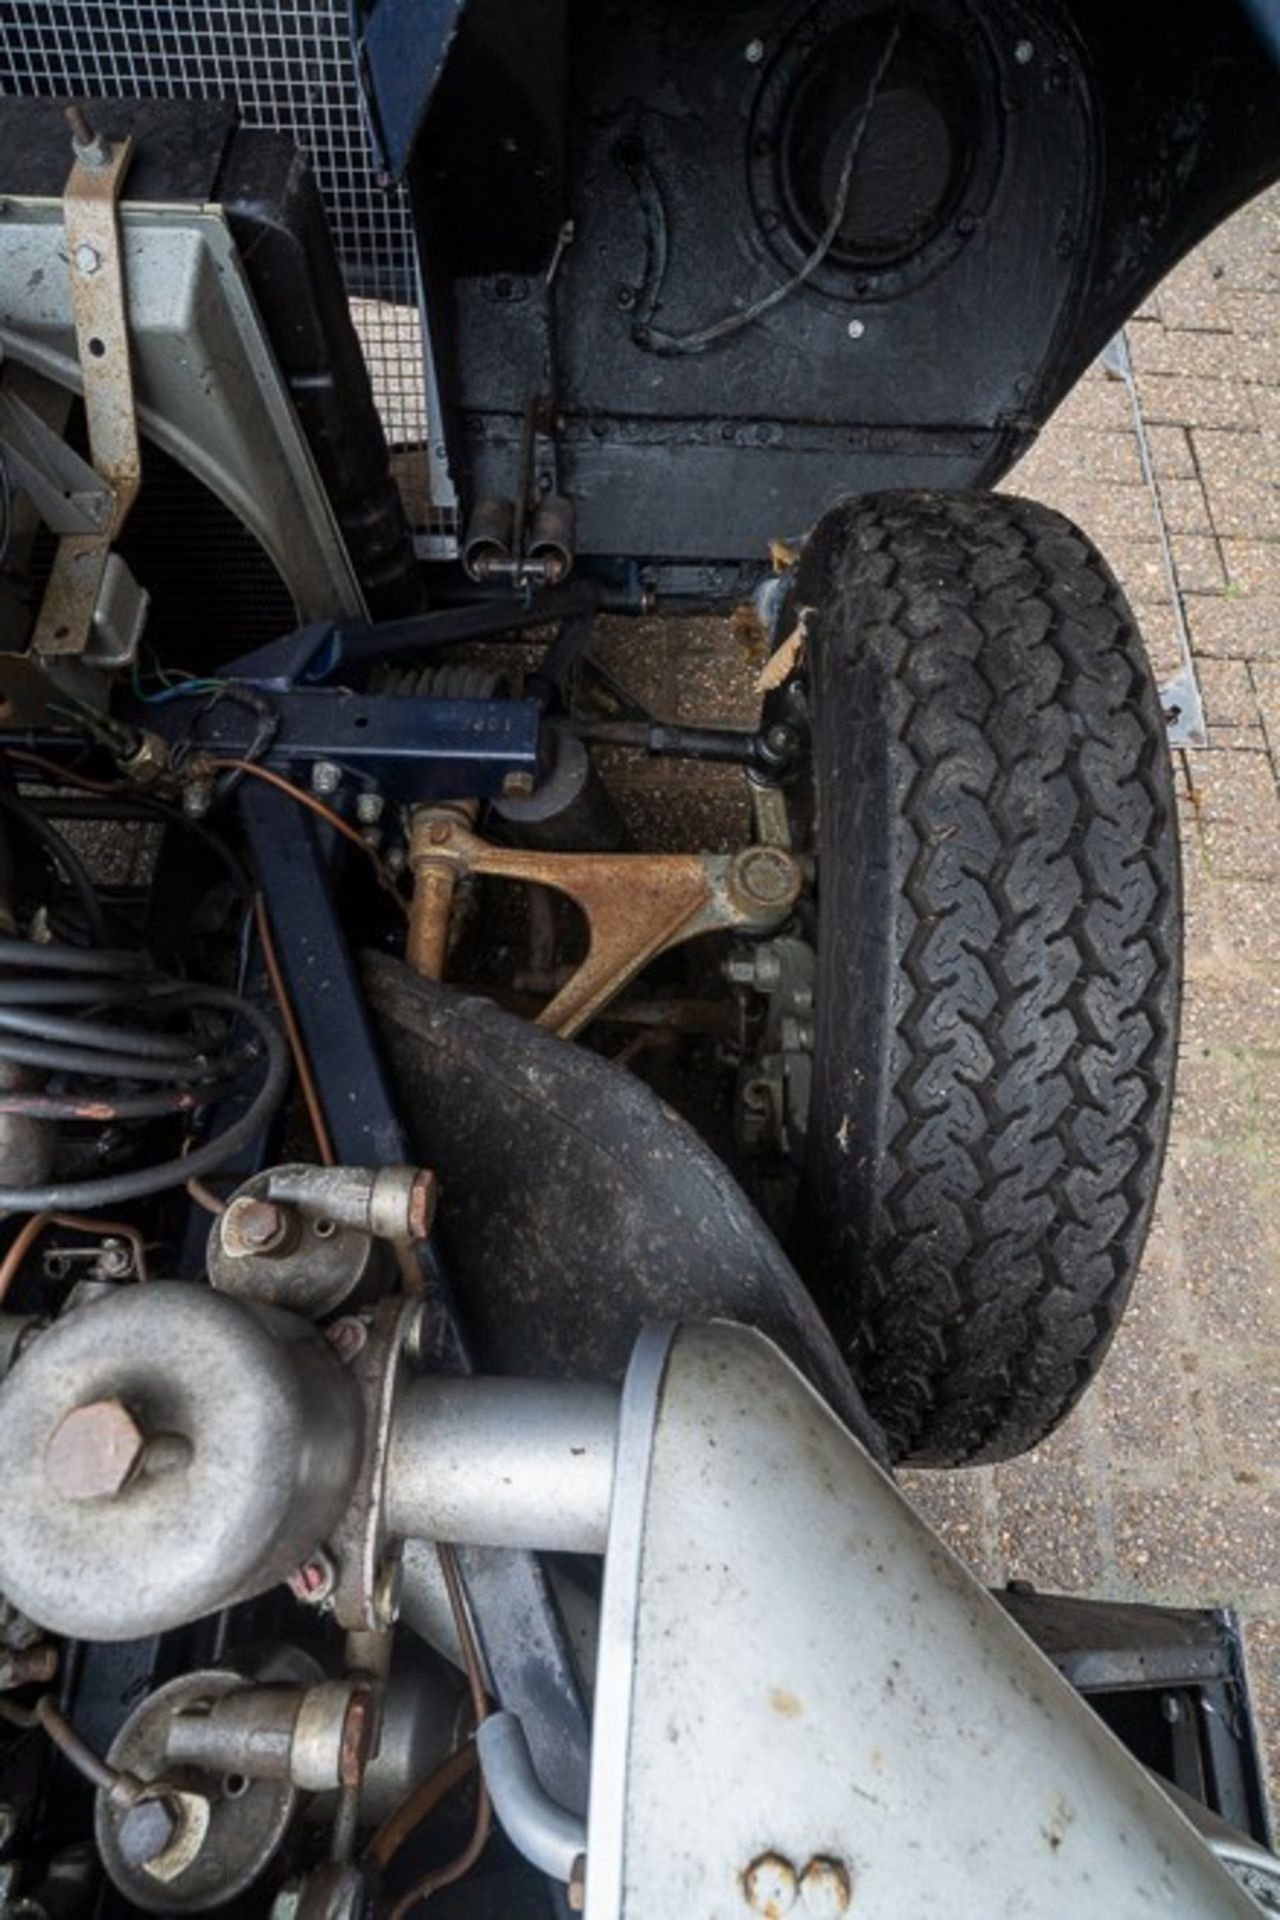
[95,264]
[637,905]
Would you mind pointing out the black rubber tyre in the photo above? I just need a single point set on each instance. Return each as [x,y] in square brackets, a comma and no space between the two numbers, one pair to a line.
[999,962]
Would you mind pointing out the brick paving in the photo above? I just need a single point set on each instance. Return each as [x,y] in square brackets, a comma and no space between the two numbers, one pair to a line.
[1165,1484]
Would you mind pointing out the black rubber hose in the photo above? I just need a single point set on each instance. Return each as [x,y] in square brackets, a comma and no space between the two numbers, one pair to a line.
[85,991]
[54,1058]
[76,1196]
[62,855]
[179,1051]
[30,955]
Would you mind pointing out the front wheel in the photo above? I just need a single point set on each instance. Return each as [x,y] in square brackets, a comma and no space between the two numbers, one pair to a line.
[998,961]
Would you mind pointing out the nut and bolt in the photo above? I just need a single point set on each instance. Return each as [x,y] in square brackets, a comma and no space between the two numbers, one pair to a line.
[94,1451]
[314,1581]
[147,1829]
[89,147]
[517,785]
[764,877]
[761,969]
[197,798]
[326,777]
[114,1261]
[370,807]
[250,1226]
[88,259]
[348,1337]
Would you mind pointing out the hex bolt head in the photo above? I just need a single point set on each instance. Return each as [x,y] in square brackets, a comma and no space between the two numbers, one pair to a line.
[88,259]
[825,1888]
[326,777]
[856,329]
[312,1583]
[1024,53]
[147,1829]
[250,1226]
[517,785]
[764,877]
[348,1337]
[370,806]
[93,1451]
[753,52]
[769,1884]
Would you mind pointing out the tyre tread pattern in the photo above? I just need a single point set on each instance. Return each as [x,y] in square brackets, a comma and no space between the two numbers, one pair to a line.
[993,1120]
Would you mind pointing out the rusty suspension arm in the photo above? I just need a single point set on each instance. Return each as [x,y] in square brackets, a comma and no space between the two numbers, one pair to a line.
[636,905]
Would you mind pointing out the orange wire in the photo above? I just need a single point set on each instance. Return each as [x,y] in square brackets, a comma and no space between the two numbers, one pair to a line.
[327,814]
[31,1230]
[293,1033]
[445,1876]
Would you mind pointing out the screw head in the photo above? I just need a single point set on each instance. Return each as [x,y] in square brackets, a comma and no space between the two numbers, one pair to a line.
[369,807]
[88,259]
[753,52]
[93,1451]
[147,1829]
[1024,53]
[251,1226]
[856,329]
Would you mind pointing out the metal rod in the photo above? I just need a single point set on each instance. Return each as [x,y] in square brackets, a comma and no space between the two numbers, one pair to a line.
[503,1463]
[536,1825]
[678,743]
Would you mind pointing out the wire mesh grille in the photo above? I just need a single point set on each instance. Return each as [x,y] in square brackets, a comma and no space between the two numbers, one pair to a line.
[291,69]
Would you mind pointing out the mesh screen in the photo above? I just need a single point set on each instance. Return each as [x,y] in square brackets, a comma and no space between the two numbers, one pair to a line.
[290,68]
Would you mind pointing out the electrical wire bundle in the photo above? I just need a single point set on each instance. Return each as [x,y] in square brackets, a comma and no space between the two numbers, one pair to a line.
[117,1040]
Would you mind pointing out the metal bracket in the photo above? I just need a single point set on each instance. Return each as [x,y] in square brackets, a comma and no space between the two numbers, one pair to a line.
[65,491]
[94,261]
[636,905]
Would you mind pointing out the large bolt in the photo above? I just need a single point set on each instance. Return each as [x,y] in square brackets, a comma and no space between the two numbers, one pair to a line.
[251,1226]
[93,1451]
[147,1829]
[370,806]
[764,878]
